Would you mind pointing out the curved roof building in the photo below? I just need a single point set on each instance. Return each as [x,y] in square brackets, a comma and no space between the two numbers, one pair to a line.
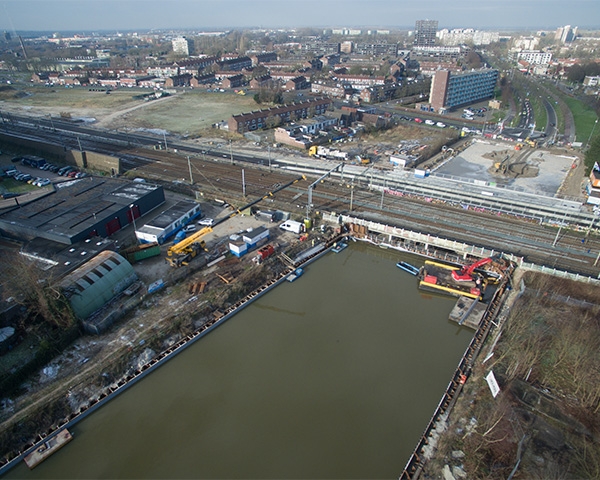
[94,284]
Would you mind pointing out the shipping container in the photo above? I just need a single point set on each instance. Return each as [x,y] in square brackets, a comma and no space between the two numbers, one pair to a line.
[140,252]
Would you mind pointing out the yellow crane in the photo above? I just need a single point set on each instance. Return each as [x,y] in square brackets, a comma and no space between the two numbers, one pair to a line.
[182,252]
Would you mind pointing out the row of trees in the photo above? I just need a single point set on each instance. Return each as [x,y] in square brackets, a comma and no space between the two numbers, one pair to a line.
[578,72]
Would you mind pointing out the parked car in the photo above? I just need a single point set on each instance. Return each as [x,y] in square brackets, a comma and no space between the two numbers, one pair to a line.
[26,177]
[207,222]
[429,122]
[10,195]
[54,168]
[72,174]
[43,182]
[81,175]
[16,159]
[189,228]
[64,170]
[418,120]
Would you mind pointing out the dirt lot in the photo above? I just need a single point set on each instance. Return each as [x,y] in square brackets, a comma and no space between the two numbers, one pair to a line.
[187,112]
[553,171]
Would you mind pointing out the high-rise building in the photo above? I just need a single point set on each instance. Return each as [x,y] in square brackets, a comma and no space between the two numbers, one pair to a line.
[425,31]
[453,89]
[181,46]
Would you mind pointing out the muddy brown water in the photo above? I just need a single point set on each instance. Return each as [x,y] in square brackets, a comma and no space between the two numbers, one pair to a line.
[332,376]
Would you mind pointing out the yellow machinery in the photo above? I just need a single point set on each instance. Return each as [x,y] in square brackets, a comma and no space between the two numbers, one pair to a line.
[531,143]
[182,252]
[502,167]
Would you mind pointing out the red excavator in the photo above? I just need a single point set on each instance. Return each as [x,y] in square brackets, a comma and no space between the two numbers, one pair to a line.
[465,274]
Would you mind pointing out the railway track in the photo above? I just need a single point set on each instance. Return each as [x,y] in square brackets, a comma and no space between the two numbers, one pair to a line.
[239,178]
[522,237]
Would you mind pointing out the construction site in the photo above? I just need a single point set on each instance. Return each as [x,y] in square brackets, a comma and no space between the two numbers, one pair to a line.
[517,166]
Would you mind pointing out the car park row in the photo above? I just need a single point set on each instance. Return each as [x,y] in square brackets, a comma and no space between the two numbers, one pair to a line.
[38,163]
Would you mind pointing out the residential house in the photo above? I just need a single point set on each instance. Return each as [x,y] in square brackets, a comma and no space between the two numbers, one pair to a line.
[163,71]
[329,88]
[265,81]
[235,64]
[275,116]
[207,78]
[297,83]
[178,80]
[234,81]
[358,82]
[264,57]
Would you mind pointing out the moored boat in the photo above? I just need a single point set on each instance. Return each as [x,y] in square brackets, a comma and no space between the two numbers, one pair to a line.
[338,247]
[295,275]
[49,447]
[435,276]
[407,267]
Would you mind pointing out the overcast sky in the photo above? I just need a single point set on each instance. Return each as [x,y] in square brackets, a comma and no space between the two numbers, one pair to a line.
[96,15]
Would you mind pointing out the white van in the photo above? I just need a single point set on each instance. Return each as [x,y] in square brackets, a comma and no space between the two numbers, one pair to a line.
[292,226]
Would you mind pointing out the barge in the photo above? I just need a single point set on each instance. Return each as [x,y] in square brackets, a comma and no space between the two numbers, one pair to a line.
[437,277]
[48,448]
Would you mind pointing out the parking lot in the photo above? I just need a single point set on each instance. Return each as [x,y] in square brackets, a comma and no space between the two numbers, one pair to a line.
[24,171]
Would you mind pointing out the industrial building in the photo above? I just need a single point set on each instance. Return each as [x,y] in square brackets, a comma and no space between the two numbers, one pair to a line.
[239,246]
[80,209]
[168,222]
[453,89]
[91,286]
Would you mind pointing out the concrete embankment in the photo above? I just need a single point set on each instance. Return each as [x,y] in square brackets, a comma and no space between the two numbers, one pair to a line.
[461,374]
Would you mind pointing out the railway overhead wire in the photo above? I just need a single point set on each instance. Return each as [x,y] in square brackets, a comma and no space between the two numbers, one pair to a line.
[440,213]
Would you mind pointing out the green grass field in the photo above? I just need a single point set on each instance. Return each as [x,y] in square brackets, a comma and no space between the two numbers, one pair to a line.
[584,117]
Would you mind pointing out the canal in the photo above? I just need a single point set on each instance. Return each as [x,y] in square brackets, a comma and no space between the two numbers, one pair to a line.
[335,375]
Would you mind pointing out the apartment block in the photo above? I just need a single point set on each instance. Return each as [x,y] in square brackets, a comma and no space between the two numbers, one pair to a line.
[453,89]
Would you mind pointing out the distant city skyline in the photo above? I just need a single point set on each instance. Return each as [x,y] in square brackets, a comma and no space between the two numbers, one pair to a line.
[129,15]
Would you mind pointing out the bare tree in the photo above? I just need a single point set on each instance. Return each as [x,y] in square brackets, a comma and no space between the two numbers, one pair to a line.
[39,294]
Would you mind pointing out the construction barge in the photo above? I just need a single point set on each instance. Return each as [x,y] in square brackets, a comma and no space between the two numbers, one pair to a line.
[469,281]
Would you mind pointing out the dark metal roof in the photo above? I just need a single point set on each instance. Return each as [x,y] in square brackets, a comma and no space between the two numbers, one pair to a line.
[75,206]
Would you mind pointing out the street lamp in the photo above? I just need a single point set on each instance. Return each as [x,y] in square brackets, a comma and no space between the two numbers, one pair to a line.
[591,133]
[133,218]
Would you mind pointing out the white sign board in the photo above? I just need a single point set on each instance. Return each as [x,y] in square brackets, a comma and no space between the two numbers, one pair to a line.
[492,383]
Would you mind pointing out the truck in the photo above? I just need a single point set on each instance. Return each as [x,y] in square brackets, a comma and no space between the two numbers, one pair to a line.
[263,253]
[328,153]
[292,226]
